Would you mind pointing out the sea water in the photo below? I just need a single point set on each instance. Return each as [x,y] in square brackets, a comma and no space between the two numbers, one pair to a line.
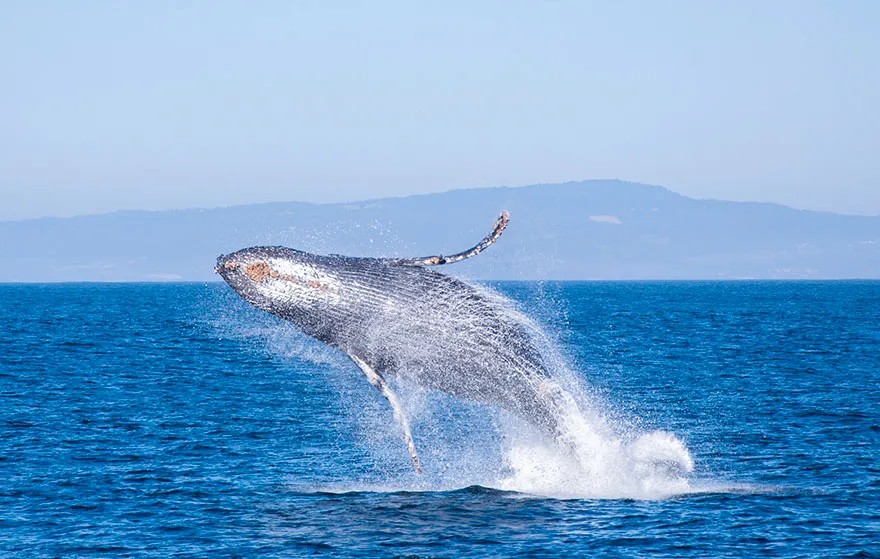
[708,419]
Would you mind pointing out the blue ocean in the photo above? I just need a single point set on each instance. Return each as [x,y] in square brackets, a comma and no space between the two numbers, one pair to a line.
[716,419]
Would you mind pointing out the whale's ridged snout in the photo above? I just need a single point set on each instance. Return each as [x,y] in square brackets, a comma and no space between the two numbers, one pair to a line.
[225,262]
[234,268]
[270,277]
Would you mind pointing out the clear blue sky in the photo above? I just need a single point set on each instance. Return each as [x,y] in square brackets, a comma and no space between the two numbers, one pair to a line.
[170,104]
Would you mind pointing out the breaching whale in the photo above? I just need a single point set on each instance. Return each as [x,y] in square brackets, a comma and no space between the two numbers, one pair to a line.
[396,317]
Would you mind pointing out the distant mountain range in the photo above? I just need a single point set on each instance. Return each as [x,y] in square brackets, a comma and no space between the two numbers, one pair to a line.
[604,229]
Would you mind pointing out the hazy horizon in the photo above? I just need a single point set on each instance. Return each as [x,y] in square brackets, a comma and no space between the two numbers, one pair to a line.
[165,105]
[439,191]
[580,230]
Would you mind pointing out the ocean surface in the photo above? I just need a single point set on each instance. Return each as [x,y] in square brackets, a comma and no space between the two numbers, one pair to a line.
[723,419]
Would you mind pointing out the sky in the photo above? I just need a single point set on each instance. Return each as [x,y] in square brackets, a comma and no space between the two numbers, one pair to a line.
[171,104]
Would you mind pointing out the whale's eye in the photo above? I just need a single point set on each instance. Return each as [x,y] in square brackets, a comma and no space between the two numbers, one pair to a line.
[258,271]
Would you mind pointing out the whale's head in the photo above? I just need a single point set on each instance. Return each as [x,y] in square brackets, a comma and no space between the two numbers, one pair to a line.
[280,280]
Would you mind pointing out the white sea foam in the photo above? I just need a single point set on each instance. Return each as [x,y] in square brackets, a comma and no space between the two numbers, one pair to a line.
[597,463]
[595,456]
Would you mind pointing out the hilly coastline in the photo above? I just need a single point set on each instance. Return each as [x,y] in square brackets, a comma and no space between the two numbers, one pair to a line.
[602,229]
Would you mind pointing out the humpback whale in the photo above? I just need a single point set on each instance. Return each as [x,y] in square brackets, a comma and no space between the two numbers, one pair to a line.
[397,317]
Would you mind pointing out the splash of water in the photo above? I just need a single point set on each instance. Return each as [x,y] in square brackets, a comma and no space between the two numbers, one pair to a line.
[593,456]
[597,461]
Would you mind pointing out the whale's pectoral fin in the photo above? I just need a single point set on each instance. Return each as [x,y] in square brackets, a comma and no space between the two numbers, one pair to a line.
[376,380]
[496,232]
